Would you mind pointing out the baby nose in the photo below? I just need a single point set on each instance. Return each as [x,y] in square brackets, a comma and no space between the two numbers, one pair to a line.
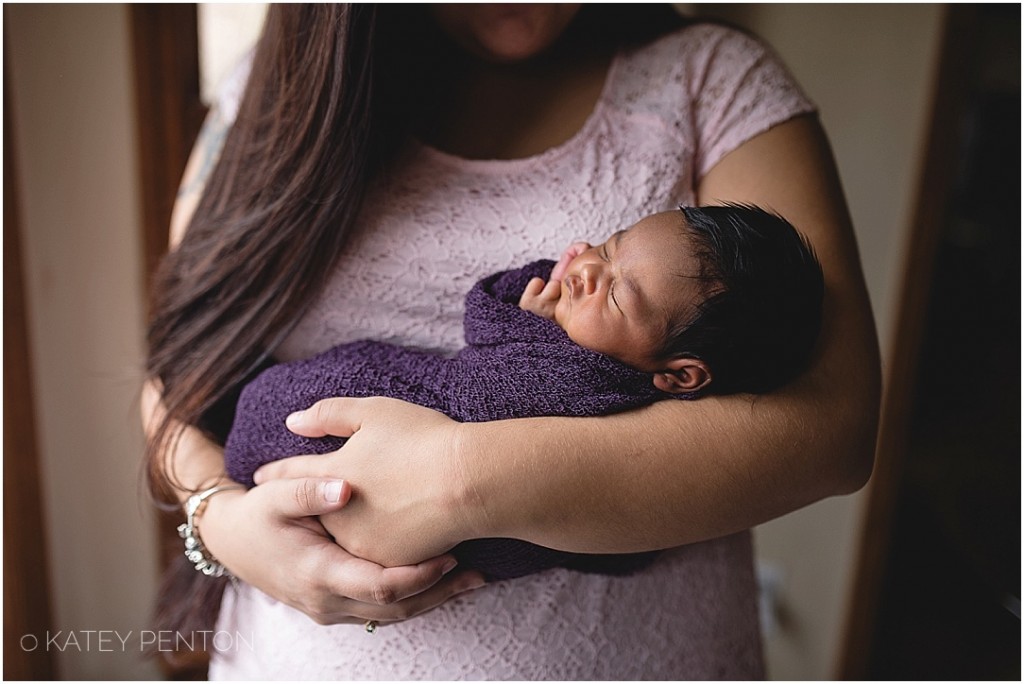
[591,274]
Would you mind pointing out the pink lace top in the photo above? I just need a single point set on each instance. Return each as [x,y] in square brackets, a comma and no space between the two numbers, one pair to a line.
[668,112]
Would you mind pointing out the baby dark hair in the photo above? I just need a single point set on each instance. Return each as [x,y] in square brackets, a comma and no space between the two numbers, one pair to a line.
[761,314]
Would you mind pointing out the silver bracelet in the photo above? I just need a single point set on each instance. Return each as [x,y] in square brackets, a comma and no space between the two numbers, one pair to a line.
[195,551]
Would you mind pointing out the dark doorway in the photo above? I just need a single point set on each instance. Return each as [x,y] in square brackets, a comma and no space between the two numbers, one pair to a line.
[947,597]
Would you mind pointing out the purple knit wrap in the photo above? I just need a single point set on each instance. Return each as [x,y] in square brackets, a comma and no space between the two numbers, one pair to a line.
[515,365]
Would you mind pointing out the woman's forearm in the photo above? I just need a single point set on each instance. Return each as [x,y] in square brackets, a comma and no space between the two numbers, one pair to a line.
[673,473]
[191,461]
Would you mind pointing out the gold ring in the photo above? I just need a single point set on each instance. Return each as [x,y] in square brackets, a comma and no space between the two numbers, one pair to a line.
[370,626]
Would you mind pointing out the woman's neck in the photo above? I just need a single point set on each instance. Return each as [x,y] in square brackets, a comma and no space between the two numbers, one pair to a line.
[482,110]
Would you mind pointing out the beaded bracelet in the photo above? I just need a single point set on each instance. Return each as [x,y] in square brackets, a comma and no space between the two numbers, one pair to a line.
[195,551]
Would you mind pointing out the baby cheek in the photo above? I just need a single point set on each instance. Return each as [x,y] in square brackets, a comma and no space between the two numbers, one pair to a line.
[590,333]
[560,314]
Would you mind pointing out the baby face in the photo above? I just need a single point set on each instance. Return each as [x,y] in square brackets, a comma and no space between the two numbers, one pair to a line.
[621,297]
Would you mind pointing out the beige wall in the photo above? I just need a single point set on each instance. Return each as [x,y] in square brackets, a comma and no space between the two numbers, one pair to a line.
[869,67]
[870,70]
[75,148]
[226,31]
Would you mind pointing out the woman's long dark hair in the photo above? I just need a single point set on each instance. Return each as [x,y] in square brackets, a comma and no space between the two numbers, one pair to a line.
[320,117]
[284,195]
[276,210]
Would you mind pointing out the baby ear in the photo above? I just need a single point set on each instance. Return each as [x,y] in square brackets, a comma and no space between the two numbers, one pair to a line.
[683,375]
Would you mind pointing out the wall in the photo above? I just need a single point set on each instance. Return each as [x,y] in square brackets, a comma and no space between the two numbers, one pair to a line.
[226,31]
[70,68]
[870,70]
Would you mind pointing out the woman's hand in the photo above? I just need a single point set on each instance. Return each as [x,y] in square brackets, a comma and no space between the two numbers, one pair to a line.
[407,487]
[269,537]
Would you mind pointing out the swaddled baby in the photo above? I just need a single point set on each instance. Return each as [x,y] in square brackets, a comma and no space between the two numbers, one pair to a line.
[717,299]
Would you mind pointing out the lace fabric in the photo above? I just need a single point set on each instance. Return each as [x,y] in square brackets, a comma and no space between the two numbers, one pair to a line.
[438,223]
[691,615]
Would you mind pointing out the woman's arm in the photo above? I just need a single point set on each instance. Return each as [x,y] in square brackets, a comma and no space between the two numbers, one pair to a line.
[684,471]
[270,536]
[672,473]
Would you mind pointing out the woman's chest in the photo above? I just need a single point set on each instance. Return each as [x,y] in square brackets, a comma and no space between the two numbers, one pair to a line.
[438,224]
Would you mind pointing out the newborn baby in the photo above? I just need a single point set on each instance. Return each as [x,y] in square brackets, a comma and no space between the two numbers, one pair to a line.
[713,299]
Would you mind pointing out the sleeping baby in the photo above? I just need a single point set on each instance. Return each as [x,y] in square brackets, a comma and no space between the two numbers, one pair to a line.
[684,303]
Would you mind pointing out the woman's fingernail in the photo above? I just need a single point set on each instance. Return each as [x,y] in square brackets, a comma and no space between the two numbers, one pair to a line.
[449,566]
[257,477]
[294,420]
[332,491]
[472,584]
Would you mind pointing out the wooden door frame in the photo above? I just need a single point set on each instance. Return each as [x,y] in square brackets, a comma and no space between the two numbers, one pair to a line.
[959,34]
[169,111]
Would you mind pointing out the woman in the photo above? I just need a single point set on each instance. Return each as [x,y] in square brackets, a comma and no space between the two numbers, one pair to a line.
[380,162]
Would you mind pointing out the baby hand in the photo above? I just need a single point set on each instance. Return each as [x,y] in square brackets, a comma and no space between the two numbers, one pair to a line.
[570,253]
[540,297]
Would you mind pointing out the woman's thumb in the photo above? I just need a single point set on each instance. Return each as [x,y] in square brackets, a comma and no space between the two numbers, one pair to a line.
[311,496]
[338,416]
